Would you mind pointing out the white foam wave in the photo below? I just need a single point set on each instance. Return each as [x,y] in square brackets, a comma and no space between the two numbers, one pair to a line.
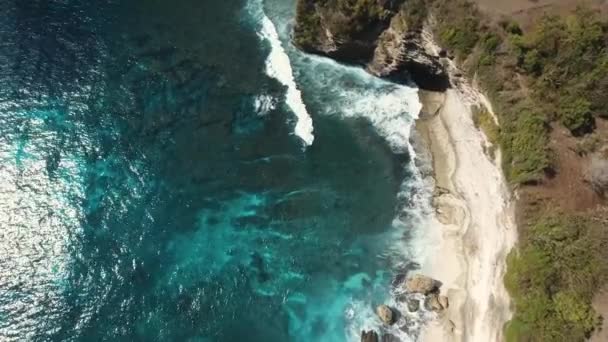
[350,92]
[278,67]
[392,109]
[264,104]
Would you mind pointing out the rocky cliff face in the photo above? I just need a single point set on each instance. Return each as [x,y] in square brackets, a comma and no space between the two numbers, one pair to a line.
[382,35]
[342,29]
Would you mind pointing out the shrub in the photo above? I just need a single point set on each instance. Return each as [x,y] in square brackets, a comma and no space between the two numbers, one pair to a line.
[308,23]
[490,42]
[459,26]
[484,121]
[532,63]
[575,114]
[552,279]
[513,28]
[462,39]
[345,18]
[526,150]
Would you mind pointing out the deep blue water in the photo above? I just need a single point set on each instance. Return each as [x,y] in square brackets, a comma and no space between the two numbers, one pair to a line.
[146,195]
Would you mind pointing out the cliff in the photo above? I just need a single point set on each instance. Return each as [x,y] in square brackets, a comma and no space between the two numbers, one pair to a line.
[384,36]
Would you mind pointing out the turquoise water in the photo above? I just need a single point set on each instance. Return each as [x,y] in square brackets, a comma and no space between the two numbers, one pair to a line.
[152,187]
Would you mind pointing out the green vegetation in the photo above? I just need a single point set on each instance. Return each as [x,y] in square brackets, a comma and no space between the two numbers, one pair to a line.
[484,121]
[557,71]
[306,33]
[554,73]
[561,55]
[344,18]
[525,141]
[458,26]
[552,279]
[492,55]
[415,13]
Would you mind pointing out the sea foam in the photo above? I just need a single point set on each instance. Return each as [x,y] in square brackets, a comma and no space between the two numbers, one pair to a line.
[351,93]
[278,67]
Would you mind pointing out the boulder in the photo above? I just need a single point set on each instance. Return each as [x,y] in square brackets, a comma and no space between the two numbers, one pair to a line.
[421,284]
[432,303]
[443,300]
[413,305]
[386,39]
[369,336]
[386,314]
[400,54]
[390,338]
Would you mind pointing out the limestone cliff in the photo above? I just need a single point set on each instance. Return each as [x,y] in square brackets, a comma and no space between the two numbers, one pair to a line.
[385,36]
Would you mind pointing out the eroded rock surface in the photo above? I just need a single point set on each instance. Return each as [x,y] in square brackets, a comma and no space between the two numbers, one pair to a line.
[386,314]
[369,336]
[421,284]
[385,36]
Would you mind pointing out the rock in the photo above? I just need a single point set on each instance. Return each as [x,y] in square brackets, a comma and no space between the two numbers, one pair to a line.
[390,338]
[331,29]
[400,54]
[386,314]
[443,300]
[369,336]
[413,305]
[432,303]
[421,284]
[386,43]
[436,302]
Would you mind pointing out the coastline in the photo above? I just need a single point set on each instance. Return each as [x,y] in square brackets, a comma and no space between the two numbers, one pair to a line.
[474,228]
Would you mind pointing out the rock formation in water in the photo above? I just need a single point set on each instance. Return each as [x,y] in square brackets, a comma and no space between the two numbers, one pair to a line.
[385,36]
[386,314]
[421,284]
[369,336]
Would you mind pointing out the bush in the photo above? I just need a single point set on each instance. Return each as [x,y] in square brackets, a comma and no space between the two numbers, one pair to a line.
[458,26]
[346,18]
[526,150]
[552,279]
[567,60]
[308,23]
[484,121]
[462,39]
[575,114]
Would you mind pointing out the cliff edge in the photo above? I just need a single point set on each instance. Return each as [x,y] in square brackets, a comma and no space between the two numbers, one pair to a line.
[384,36]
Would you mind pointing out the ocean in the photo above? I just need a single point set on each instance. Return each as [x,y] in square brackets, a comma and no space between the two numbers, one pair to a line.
[178,171]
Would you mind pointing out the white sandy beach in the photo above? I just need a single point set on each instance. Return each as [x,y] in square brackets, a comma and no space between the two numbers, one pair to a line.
[474,228]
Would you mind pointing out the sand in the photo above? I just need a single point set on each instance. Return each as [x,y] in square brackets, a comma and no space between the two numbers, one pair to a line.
[474,226]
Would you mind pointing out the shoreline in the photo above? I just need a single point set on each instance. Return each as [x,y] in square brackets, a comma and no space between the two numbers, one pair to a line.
[473,228]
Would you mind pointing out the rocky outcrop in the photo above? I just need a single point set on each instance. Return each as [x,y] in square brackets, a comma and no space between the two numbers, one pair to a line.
[433,303]
[369,336]
[401,54]
[413,305]
[381,35]
[344,30]
[443,301]
[436,302]
[386,314]
[422,284]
